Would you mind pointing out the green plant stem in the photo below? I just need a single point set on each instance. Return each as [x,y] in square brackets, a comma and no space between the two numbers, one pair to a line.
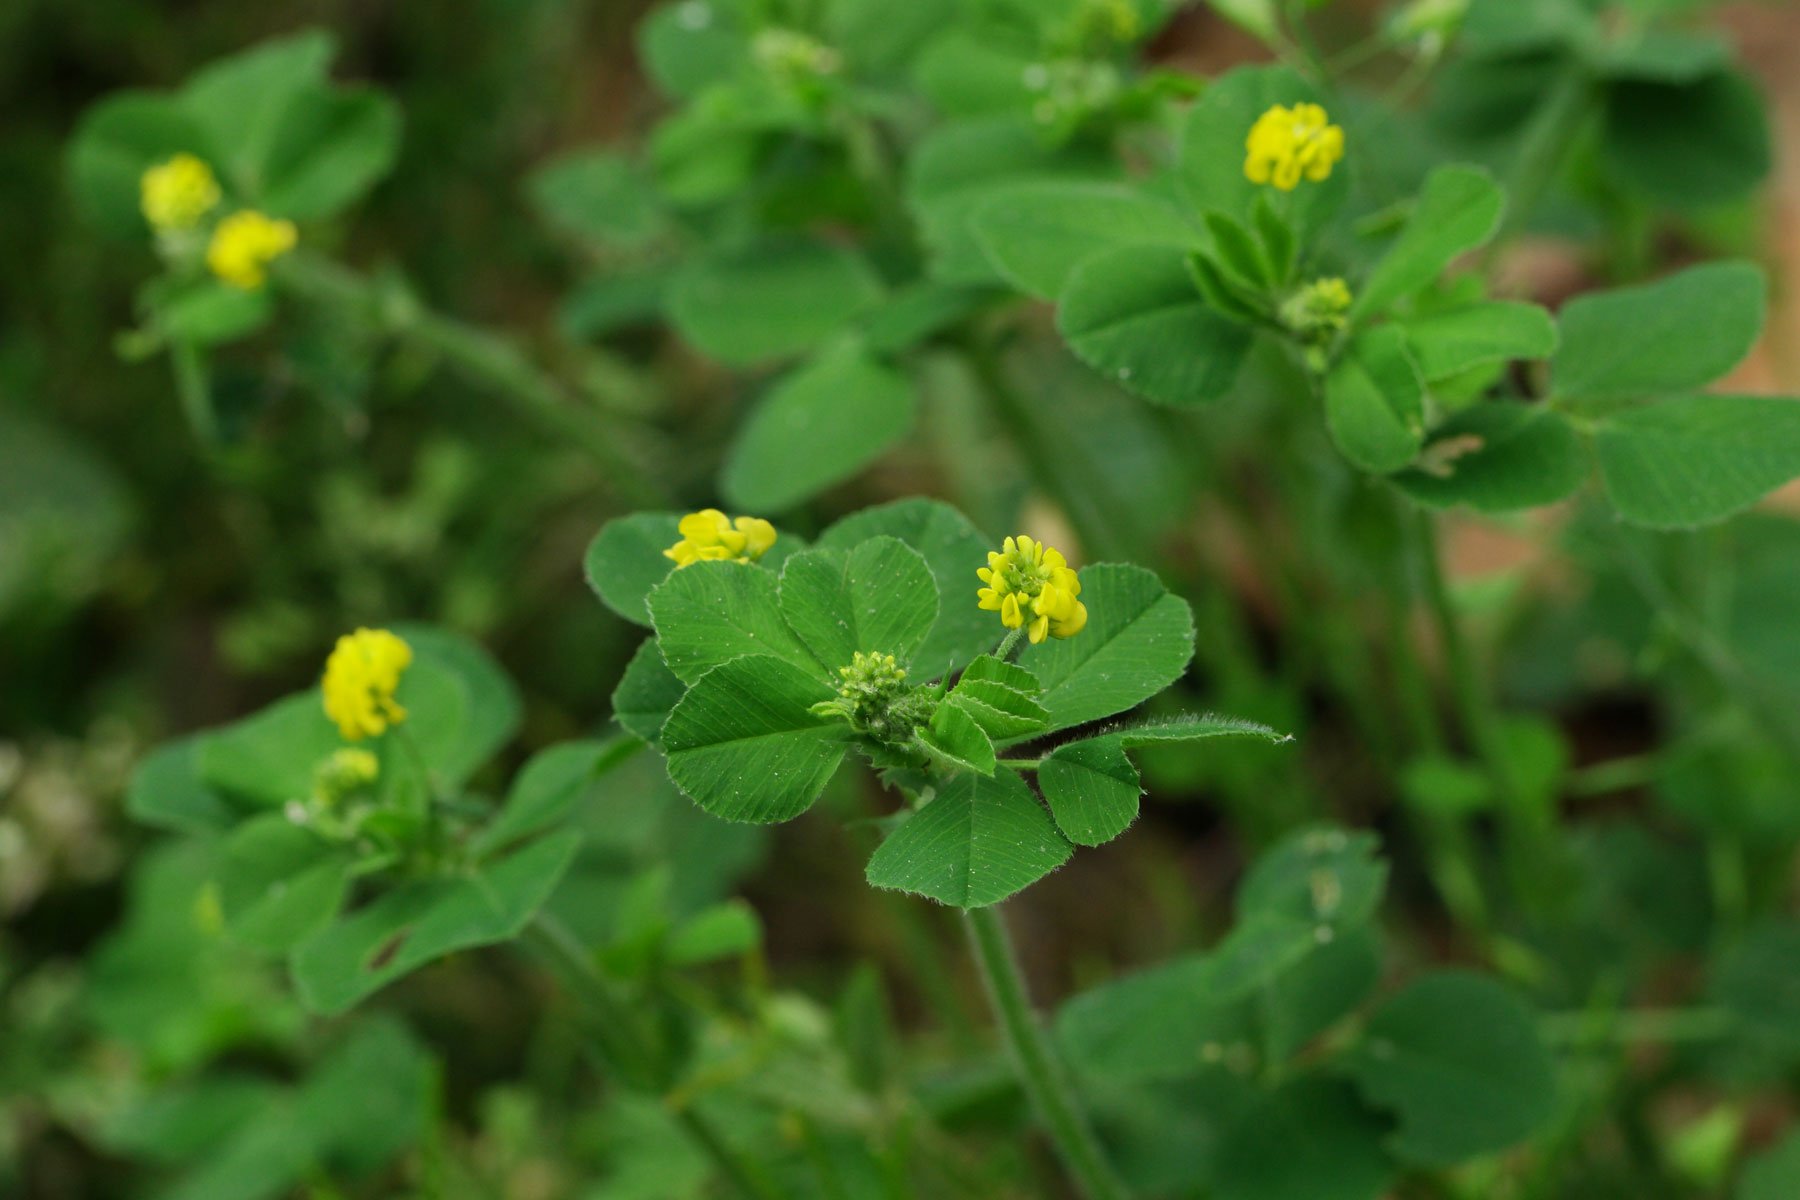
[1614,775]
[486,359]
[192,390]
[1021,764]
[1008,644]
[1042,1075]
[620,1045]
[1547,139]
[1643,1025]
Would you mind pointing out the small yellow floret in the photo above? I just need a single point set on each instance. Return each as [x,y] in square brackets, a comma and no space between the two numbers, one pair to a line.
[176,194]
[1033,588]
[361,677]
[1288,144]
[244,245]
[710,536]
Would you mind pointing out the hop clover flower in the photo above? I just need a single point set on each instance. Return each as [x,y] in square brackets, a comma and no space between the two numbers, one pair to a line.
[175,194]
[361,677]
[1287,144]
[710,536]
[1317,310]
[1033,588]
[243,246]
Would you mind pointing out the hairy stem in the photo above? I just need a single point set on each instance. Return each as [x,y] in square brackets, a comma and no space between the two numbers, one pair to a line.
[1041,1073]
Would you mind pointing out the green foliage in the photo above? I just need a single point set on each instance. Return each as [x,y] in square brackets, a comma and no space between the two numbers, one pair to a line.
[974,844]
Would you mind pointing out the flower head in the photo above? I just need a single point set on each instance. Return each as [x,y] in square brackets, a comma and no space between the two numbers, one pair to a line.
[361,677]
[710,536]
[1286,144]
[176,193]
[1033,588]
[343,794]
[243,246]
[1317,310]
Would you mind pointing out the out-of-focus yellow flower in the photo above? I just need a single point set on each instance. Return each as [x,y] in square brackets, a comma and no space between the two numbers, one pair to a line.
[1317,310]
[1287,144]
[361,677]
[1033,588]
[244,245]
[710,536]
[175,194]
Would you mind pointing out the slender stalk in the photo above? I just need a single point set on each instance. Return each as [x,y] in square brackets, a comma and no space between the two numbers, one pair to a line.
[619,1042]
[191,388]
[486,359]
[1041,1073]
[1643,1025]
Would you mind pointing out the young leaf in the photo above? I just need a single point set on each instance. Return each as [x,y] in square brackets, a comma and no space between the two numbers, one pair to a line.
[880,598]
[1037,233]
[955,740]
[1657,339]
[1448,343]
[488,710]
[1498,457]
[1137,642]
[1134,315]
[711,612]
[1238,254]
[843,407]
[1458,210]
[1456,1096]
[647,692]
[1092,789]
[1697,459]
[1308,1139]
[989,669]
[770,301]
[418,922]
[745,745]
[954,550]
[1374,402]
[1003,713]
[974,844]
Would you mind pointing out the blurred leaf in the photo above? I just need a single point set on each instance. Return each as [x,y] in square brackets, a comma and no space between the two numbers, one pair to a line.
[771,300]
[1688,144]
[1457,210]
[1037,233]
[1317,876]
[598,196]
[1758,982]
[843,407]
[240,101]
[328,150]
[548,788]
[1774,1174]
[1448,343]
[1213,154]
[1308,1139]
[1374,402]
[1498,457]
[1134,315]
[117,140]
[1456,1096]
[279,883]
[690,45]
[1677,334]
[625,561]
[1698,459]
[370,947]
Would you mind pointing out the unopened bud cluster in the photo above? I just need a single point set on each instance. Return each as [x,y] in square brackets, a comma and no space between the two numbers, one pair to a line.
[873,698]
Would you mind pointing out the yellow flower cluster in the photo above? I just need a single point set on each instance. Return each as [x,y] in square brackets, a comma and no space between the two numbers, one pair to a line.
[1033,588]
[361,677]
[176,194]
[243,246]
[1287,144]
[710,536]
